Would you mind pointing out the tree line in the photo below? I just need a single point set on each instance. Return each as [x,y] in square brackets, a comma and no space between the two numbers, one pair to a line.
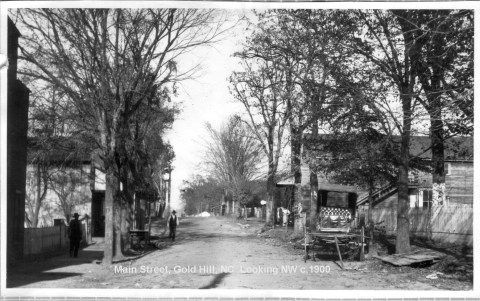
[370,79]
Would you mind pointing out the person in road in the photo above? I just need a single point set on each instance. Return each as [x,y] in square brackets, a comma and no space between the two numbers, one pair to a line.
[75,235]
[286,213]
[172,223]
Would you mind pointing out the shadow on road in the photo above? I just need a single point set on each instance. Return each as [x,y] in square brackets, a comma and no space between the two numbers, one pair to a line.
[25,273]
[216,281]
[62,266]
[44,276]
[131,256]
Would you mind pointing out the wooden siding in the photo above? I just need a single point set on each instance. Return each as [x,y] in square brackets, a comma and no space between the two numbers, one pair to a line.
[459,184]
[446,224]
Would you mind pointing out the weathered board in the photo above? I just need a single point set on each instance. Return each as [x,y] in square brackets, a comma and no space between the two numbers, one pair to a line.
[420,256]
[446,224]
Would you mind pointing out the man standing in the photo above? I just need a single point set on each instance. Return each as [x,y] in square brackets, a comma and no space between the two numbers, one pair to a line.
[172,223]
[75,235]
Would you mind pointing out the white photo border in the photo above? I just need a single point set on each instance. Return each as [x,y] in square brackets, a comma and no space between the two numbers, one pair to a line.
[222,293]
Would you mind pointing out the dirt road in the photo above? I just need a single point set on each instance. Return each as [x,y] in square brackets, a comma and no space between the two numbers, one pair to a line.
[214,253]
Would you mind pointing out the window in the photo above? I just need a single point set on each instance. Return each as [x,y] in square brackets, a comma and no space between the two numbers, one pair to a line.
[412,177]
[427,198]
[448,169]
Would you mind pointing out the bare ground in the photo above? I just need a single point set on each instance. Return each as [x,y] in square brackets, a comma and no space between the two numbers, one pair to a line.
[221,253]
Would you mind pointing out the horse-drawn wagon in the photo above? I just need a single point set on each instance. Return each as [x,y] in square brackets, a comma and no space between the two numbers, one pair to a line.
[334,226]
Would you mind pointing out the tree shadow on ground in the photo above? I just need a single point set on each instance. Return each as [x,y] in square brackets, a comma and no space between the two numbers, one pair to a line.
[460,252]
[25,273]
[215,281]
[33,278]
[29,272]
[131,255]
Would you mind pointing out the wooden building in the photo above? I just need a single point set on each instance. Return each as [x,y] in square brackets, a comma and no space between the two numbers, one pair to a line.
[458,176]
[17,126]
[458,180]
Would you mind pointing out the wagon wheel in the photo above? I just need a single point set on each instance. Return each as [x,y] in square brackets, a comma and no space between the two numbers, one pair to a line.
[351,247]
[355,246]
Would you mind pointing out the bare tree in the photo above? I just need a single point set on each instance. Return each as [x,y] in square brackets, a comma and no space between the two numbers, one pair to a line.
[260,89]
[46,104]
[109,63]
[233,157]
[68,182]
[37,188]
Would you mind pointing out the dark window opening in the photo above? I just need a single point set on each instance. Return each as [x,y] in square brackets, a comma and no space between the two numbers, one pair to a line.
[337,199]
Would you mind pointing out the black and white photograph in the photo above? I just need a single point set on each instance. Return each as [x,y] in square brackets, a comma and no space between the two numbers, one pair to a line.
[240,149]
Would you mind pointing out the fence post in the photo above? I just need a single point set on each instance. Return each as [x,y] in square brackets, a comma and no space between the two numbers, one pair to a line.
[88,232]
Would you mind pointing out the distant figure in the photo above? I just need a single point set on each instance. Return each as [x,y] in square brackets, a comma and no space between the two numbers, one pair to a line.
[75,235]
[172,223]
[286,213]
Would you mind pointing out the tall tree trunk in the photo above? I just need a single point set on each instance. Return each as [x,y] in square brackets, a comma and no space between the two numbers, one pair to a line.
[372,250]
[296,145]
[117,229]
[402,244]
[42,187]
[313,177]
[313,197]
[110,192]
[126,211]
[38,199]
[272,170]
[438,159]
[270,217]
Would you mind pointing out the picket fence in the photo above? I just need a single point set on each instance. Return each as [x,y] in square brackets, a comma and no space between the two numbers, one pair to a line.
[443,224]
[47,240]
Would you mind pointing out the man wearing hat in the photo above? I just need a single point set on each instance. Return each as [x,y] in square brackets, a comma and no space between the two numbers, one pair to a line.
[172,223]
[75,235]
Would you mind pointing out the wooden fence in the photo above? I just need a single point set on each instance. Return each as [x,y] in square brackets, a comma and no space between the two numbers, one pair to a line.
[48,240]
[444,224]
[44,240]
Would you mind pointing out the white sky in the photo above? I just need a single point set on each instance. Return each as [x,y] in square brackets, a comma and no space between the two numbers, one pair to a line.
[204,99]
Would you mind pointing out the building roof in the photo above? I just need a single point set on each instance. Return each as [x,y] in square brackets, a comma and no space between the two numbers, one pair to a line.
[456,148]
